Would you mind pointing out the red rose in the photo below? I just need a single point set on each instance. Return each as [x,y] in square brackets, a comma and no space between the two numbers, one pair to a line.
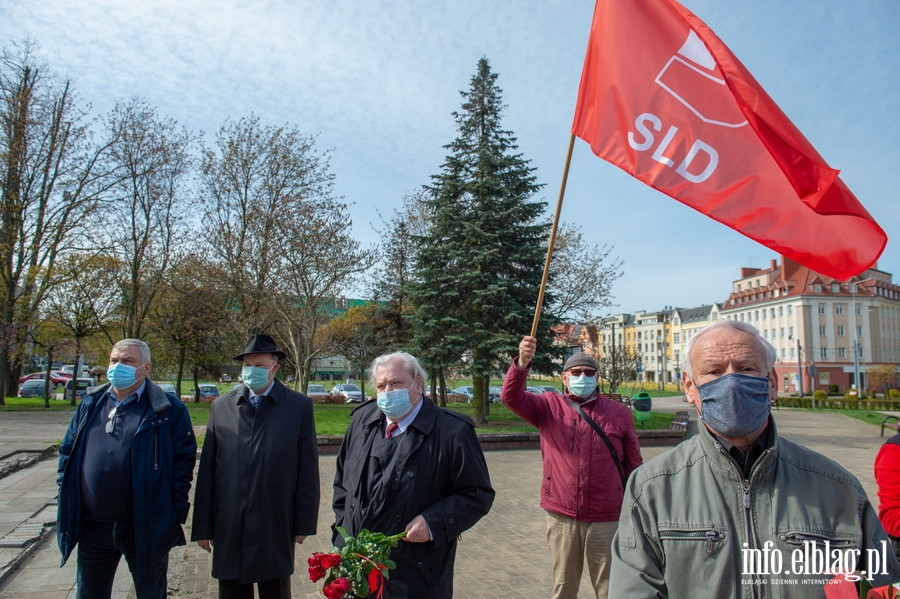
[331,560]
[317,567]
[337,588]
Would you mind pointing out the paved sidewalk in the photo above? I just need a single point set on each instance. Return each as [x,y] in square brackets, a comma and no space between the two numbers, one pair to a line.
[503,556]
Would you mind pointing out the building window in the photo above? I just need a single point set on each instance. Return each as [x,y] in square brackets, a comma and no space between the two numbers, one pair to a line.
[739,287]
[817,288]
[840,330]
[675,337]
[859,331]
[790,310]
[783,354]
[835,288]
[842,352]
[823,352]
[822,332]
[780,310]
[791,332]
[764,313]
[766,333]
[839,308]
[792,352]
[852,287]
[773,333]
[782,332]
[821,308]
[756,315]
[859,308]
[860,348]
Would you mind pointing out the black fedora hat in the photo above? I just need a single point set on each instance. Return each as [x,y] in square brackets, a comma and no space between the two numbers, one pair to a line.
[261,344]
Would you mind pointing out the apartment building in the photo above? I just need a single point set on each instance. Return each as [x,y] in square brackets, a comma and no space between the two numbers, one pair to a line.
[823,330]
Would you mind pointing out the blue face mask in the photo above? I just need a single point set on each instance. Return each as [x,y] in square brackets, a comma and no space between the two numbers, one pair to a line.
[121,376]
[735,405]
[255,377]
[583,386]
[395,404]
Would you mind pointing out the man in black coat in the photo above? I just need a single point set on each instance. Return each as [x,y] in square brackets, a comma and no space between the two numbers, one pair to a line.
[258,483]
[407,465]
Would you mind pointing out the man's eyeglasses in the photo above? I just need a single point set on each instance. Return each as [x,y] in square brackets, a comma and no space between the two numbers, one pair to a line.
[584,371]
[111,423]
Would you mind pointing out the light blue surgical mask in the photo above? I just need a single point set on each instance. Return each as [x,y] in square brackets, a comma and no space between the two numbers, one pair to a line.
[121,376]
[395,404]
[735,405]
[255,377]
[583,386]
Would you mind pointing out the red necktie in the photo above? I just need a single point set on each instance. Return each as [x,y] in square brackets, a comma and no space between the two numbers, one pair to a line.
[390,430]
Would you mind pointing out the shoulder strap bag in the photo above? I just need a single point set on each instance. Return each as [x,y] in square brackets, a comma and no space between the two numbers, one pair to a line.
[612,450]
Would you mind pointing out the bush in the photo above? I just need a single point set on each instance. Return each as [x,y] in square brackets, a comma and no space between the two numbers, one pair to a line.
[326,398]
[457,398]
[819,395]
[833,389]
[854,394]
[894,394]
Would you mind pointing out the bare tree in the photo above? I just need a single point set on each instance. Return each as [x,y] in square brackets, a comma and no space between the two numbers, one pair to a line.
[81,302]
[581,275]
[255,177]
[319,264]
[148,208]
[50,181]
[616,366]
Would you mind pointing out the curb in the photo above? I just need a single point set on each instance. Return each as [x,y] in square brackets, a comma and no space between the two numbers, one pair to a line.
[7,570]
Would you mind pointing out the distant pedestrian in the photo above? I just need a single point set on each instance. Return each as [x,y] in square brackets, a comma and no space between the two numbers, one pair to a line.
[125,470]
[589,447]
[258,484]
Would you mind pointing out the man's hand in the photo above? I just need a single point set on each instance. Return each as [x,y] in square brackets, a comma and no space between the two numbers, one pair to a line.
[206,544]
[417,531]
[299,539]
[527,349]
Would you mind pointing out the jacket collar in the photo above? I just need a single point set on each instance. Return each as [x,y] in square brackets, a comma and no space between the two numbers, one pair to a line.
[278,392]
[714,450]
[157,397]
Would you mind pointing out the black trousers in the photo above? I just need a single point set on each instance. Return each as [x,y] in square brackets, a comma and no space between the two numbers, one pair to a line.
[280,588]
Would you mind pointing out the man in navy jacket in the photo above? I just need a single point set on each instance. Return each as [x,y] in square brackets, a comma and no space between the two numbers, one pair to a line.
[125,470]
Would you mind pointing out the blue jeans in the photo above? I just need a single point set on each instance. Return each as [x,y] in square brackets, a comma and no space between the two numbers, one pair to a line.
[99,549]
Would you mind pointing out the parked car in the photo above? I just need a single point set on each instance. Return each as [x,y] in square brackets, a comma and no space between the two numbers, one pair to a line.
[545,388]
[81,385]
[465,390]
[168,388]
[494,394]
[33,388]
[536,390]
[209,392]
[56,378]
[316,390]
[350,392]
[69,370]
[225,378]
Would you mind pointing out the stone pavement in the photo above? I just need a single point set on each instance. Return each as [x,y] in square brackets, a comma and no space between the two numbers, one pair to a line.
[503,556]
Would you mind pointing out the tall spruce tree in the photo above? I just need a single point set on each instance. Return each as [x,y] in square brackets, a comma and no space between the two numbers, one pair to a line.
[480,263]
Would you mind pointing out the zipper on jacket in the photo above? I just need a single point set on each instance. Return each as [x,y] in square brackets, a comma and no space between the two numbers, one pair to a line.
[712,536]
[746,494]
[572,438]
[797,539]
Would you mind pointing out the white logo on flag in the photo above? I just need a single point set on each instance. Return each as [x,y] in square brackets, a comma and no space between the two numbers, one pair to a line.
[699,96]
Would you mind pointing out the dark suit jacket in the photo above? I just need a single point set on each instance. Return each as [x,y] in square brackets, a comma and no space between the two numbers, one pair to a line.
[258,483]
[440,473]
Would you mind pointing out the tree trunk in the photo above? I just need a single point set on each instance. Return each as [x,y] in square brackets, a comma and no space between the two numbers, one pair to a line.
[196,385]
[76,372]
[443,388]
[181,357]
[478,401]
[434,390]
[47,378]
[487,395]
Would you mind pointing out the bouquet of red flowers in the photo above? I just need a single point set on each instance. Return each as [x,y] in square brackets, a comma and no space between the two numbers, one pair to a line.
[359,568]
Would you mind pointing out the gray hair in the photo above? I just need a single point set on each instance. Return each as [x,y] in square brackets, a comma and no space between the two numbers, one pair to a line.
[767,349]
[142,347]
[410,364]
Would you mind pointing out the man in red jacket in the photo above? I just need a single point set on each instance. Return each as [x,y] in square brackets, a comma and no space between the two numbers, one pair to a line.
[583,482]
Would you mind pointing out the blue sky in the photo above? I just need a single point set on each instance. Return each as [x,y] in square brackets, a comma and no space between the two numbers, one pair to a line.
[377,81]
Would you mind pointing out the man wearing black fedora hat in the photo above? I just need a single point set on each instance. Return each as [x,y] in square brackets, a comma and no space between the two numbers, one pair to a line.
[258,482]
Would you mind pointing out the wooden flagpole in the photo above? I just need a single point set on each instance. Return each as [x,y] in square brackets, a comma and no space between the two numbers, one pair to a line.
[559,201]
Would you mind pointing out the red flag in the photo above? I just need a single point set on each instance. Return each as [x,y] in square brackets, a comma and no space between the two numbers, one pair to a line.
[663,98]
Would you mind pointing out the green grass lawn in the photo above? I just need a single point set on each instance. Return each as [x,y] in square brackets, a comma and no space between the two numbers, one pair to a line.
[333,419]
[867,416]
